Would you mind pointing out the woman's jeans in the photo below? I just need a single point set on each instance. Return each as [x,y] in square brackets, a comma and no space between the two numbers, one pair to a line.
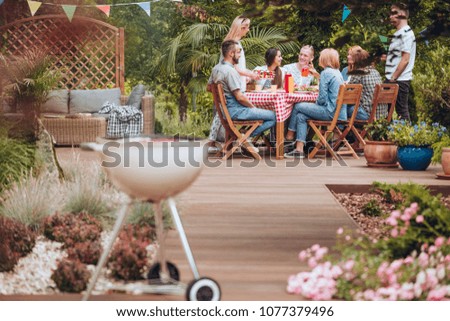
[301,113]
[239,112]
[361,115]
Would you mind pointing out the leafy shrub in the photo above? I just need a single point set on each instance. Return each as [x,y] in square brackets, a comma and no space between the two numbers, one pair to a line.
[404,133]
[16,159]
[437,149]
[71,276]
[31,200]
[8,258]
[72,228]
[431,84]
[371,208]
[16,241]
[421,224]
[129,257]
[378,130]
[86,252]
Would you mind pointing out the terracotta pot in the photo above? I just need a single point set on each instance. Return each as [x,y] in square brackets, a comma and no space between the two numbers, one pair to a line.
[445,160]
[380,154]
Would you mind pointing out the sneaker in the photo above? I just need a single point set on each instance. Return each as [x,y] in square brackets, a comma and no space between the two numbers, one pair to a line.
[295,154]
[251,147]
[289,146]
[213,150]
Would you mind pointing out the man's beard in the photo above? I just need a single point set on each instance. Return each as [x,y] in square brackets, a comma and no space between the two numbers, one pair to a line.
[235,60]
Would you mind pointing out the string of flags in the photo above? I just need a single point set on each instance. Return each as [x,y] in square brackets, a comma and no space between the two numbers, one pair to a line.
[345,13]
[69,10]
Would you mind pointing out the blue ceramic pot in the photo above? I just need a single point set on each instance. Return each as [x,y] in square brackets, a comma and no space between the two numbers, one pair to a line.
[414,158]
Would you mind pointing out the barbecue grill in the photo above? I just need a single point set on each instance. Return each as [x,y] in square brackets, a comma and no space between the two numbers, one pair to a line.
[154,169]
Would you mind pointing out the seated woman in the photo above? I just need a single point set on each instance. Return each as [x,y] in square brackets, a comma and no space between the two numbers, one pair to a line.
[305,59]
[273,66]
[325,106]
[361,71]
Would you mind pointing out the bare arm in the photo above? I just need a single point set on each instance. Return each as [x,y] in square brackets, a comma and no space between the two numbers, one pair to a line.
[247,73]
[401,66]
[242,99]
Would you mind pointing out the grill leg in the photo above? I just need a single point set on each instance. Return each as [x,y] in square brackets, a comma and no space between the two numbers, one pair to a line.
[159,223]
[101,263]
[177,220]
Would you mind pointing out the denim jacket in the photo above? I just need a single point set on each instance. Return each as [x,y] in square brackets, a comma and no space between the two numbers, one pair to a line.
[330,80]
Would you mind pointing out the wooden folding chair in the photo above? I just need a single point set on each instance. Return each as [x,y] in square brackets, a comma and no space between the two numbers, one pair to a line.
[383,94]
[326,130]
[236,131]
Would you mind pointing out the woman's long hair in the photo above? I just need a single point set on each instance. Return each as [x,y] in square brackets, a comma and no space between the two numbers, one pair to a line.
[360,59]
[270,56]
[235,29]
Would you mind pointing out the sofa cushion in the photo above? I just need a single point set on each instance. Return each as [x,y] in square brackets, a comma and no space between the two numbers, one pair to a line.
[57,102]
[90,101]
[136,95]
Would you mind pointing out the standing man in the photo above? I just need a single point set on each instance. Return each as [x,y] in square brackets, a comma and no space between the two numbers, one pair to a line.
[401,56]
[239,107]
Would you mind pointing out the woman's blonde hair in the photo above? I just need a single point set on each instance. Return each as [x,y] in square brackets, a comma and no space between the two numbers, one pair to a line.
[329,57]
[236,27]
[310,48]
[360,58]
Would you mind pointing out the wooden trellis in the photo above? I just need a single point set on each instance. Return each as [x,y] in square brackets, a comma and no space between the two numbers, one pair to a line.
[88,52]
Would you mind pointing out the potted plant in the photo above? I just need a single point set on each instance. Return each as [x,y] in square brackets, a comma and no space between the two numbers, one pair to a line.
[28,79]
[414,142]
[379,151]
[441,154]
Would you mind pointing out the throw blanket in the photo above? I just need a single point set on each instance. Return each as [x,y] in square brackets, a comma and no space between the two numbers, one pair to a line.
[124,121]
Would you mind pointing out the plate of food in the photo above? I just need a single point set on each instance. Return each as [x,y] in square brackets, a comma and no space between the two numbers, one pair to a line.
[307,89]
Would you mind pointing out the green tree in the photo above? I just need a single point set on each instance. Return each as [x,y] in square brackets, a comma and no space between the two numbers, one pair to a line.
[193,53]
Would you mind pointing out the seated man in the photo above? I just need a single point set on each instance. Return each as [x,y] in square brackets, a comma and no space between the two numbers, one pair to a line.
[239,107]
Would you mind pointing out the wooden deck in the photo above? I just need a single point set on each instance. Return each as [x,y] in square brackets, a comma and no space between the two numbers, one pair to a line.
[246,226]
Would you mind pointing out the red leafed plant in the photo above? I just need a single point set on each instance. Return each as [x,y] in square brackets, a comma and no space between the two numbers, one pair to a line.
[71,276]
[86,252]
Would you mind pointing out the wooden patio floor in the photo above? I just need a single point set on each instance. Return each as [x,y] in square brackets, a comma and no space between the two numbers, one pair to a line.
[246,225]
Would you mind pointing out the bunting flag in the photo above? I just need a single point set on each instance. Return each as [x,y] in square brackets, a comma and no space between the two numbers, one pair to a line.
[69,10]
[105,9]
[34,6]
[146,7]
[345,13]
[383,39]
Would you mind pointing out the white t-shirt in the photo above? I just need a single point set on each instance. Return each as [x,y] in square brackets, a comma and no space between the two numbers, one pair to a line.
[402,41]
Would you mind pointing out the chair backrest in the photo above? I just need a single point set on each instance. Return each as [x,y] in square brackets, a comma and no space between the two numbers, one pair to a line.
[348,94]
[384,94]
[222,111]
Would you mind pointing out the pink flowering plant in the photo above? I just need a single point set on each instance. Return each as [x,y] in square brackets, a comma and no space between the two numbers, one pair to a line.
[362,268]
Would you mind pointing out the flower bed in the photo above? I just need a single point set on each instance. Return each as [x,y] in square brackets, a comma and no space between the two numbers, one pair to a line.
[411,262]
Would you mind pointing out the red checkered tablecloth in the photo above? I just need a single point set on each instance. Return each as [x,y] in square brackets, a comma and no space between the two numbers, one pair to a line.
[280,102]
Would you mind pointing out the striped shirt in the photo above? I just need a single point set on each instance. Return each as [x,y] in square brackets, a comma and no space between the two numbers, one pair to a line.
[402,41]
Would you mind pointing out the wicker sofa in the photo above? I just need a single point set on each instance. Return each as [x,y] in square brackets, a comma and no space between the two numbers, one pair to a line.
[72,118]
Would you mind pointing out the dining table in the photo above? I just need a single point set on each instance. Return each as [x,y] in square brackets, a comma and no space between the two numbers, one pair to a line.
[281,103]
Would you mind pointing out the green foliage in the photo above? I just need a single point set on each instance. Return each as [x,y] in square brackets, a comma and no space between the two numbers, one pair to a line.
[378,130]
[436,218]
[28,78]
[371,208]
[16,160]
[86,191]
[32,199]
[437,149]
[404,133]
[142,213]
[431,84]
